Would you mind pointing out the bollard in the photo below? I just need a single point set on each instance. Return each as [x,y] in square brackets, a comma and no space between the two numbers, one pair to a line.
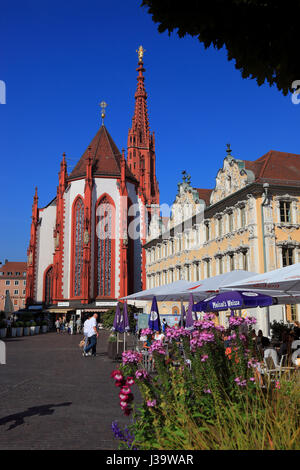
[2,352]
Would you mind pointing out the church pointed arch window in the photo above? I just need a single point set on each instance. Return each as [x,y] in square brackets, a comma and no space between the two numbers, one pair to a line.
[78,244]
[105,248]
[48,286]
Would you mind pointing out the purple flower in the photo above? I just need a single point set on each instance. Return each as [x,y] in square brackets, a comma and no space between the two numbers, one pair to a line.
[132,357]
[151,403]
[141,374]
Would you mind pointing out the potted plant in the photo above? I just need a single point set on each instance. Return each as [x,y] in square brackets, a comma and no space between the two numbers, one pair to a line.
[14,329]
[37,327]
[112,346]
[3,328]
[27,328]
[20,326]
[32,328]
[44,326]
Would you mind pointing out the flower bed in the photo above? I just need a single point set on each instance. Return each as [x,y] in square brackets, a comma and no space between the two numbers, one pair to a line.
[205,393]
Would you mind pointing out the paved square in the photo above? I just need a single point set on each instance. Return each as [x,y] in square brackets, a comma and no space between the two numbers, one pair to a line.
[53,398]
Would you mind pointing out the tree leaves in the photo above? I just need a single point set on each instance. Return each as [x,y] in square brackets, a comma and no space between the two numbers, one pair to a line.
[260,35]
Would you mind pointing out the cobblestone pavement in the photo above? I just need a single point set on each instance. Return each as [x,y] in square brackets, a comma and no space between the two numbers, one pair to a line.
[53,398]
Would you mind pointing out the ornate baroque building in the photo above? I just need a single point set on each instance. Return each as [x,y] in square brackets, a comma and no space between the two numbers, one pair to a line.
[80,255]
[250,220]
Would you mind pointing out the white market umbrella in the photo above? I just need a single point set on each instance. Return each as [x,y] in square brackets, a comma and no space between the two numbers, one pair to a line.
[165,292]
[215,284]
[283,283]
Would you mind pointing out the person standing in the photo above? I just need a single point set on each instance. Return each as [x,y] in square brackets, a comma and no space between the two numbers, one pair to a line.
[78,325]
[92,335]
[85,334]
[57,325]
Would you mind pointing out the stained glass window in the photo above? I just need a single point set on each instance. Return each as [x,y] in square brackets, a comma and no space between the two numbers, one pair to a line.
[105,220]
[78,255]
[48,286]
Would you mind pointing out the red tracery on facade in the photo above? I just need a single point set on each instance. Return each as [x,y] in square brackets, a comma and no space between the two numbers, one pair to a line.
[58,234]
[141,144]
[48,285]
[31,252]
[105,243]
[77,243]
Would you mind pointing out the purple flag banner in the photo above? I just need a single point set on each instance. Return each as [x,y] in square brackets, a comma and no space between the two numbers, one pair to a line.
[189,321]
[117,318]
[182,316]
[154,319]
[124,324]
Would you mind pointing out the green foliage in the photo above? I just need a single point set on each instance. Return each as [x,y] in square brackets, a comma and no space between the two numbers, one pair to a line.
[206,396]
[261,36]
[19,324]
[278,328]
[107,318]
[112,338]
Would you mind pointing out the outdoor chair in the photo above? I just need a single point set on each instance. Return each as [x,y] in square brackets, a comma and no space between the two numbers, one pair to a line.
[273,367]
[295,355]
[295,344]
[148,362]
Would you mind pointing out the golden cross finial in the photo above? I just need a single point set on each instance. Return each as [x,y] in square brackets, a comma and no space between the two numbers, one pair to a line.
[103,105]
[140,52]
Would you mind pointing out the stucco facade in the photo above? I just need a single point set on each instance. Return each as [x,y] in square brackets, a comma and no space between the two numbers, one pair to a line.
[250,221]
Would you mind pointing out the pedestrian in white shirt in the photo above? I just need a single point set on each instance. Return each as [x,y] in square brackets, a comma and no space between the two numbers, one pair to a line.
[92,335]
[85,334]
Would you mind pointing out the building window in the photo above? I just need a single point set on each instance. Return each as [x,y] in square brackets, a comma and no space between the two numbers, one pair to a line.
[208,268]
[6,292]
[78,236]
[7,283]
[188,272]
[287,256]
[16,292]
[18,274]
[105,248]
[207,232]
[231,262]
[220,227]
[243,216]
[285,211]
[16,283]
[48,285]
[245,260]
[220,262]
[230,222]
[24,291]
[294,313]
[24,282]
[175,311]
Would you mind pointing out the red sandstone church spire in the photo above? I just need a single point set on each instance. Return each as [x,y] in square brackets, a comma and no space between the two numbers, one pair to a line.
[31,252]
[141,143]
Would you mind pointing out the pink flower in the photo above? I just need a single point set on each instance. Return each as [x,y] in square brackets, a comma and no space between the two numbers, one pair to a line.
[141,374]
[130,381]
[123,397]
[123,404]
[207,390]
[125,390]
[151,404]
[131,357]
[277,384]
[203,358]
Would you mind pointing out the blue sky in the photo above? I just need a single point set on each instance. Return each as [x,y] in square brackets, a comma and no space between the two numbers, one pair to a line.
[60,59]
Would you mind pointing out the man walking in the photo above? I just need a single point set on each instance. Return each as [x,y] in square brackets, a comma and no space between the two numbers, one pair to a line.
[85,334]
[92,335]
